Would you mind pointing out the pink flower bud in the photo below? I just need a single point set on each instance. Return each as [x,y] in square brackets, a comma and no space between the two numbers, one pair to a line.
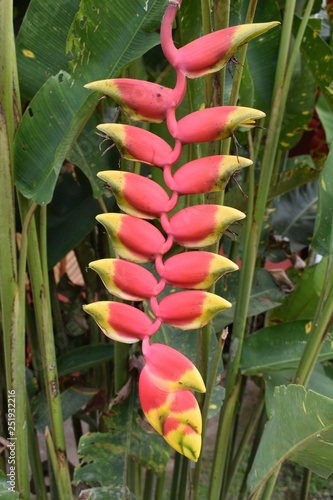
[124,279]
[140,100]
[191,309]
[198,270]
[206,175]
[213,124]
[170,370]
[137,195]
[120,322]
[211,52]
[137,144]
[201,225]
[133,239]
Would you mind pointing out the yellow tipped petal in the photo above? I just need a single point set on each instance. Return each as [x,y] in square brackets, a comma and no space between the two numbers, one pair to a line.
[136,195]
[124,279]
[212,124]
[137,144]
[191,309]
[133,239]
[139,99]
[119,321]
[198,269]
[202,225]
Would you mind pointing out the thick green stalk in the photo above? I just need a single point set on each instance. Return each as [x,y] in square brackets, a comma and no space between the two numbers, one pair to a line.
[38,273]
[205,409]
[253,231]
[8,261]
[320,327]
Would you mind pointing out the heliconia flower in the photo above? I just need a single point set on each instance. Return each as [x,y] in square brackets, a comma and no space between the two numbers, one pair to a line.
[191,309]
[201,225]
[180,408]
[124,279]
[139,99]
[169,370]
[134,239]
[120,321]
[137,195]
[213,124]
[137,144]
[198,269]
[206,175]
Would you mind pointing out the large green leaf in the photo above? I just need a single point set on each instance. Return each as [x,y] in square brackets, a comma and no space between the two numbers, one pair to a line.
[318,55]
[262,55]
[72,400]
[302,302]
[294,215]
[5,493]
[41,43]
[265,295]
[300,429]
[323,235]
[299,107]
[103,40]
[321,381]
[103,455]
[71,214]
[279,347]
[83,358]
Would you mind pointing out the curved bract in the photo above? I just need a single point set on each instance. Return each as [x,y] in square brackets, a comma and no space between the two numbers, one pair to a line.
[168,377]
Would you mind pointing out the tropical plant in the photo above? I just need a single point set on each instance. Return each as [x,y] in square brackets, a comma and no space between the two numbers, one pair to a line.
[196,99]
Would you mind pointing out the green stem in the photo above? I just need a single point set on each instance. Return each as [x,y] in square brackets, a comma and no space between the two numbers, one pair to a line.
[205,409]
[320,327]
[35,458]
[252,424]
[252,238]
[270,484]
[62,487]
[306,484]
[38,272]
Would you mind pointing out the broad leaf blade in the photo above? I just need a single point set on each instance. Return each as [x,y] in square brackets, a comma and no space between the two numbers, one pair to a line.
[59,110]
[278,347]
[41,43]
[300,430]
[83,358]
[323,235]
[265,295]
[103,455]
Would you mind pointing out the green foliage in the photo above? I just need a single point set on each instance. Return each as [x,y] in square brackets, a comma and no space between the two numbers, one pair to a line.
[300,429]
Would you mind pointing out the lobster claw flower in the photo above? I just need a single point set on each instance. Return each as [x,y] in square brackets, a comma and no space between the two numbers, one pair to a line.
[124,279]
[206,175]
[213,124]
[133,239]
[211,52]
[140,100]
[120,321]
[190,309]
[197,270]
[137,144]
[136,195]
[201,225]
[170,370]
[175,415]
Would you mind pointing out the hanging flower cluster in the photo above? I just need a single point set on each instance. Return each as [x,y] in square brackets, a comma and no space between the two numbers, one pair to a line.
[168,377]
